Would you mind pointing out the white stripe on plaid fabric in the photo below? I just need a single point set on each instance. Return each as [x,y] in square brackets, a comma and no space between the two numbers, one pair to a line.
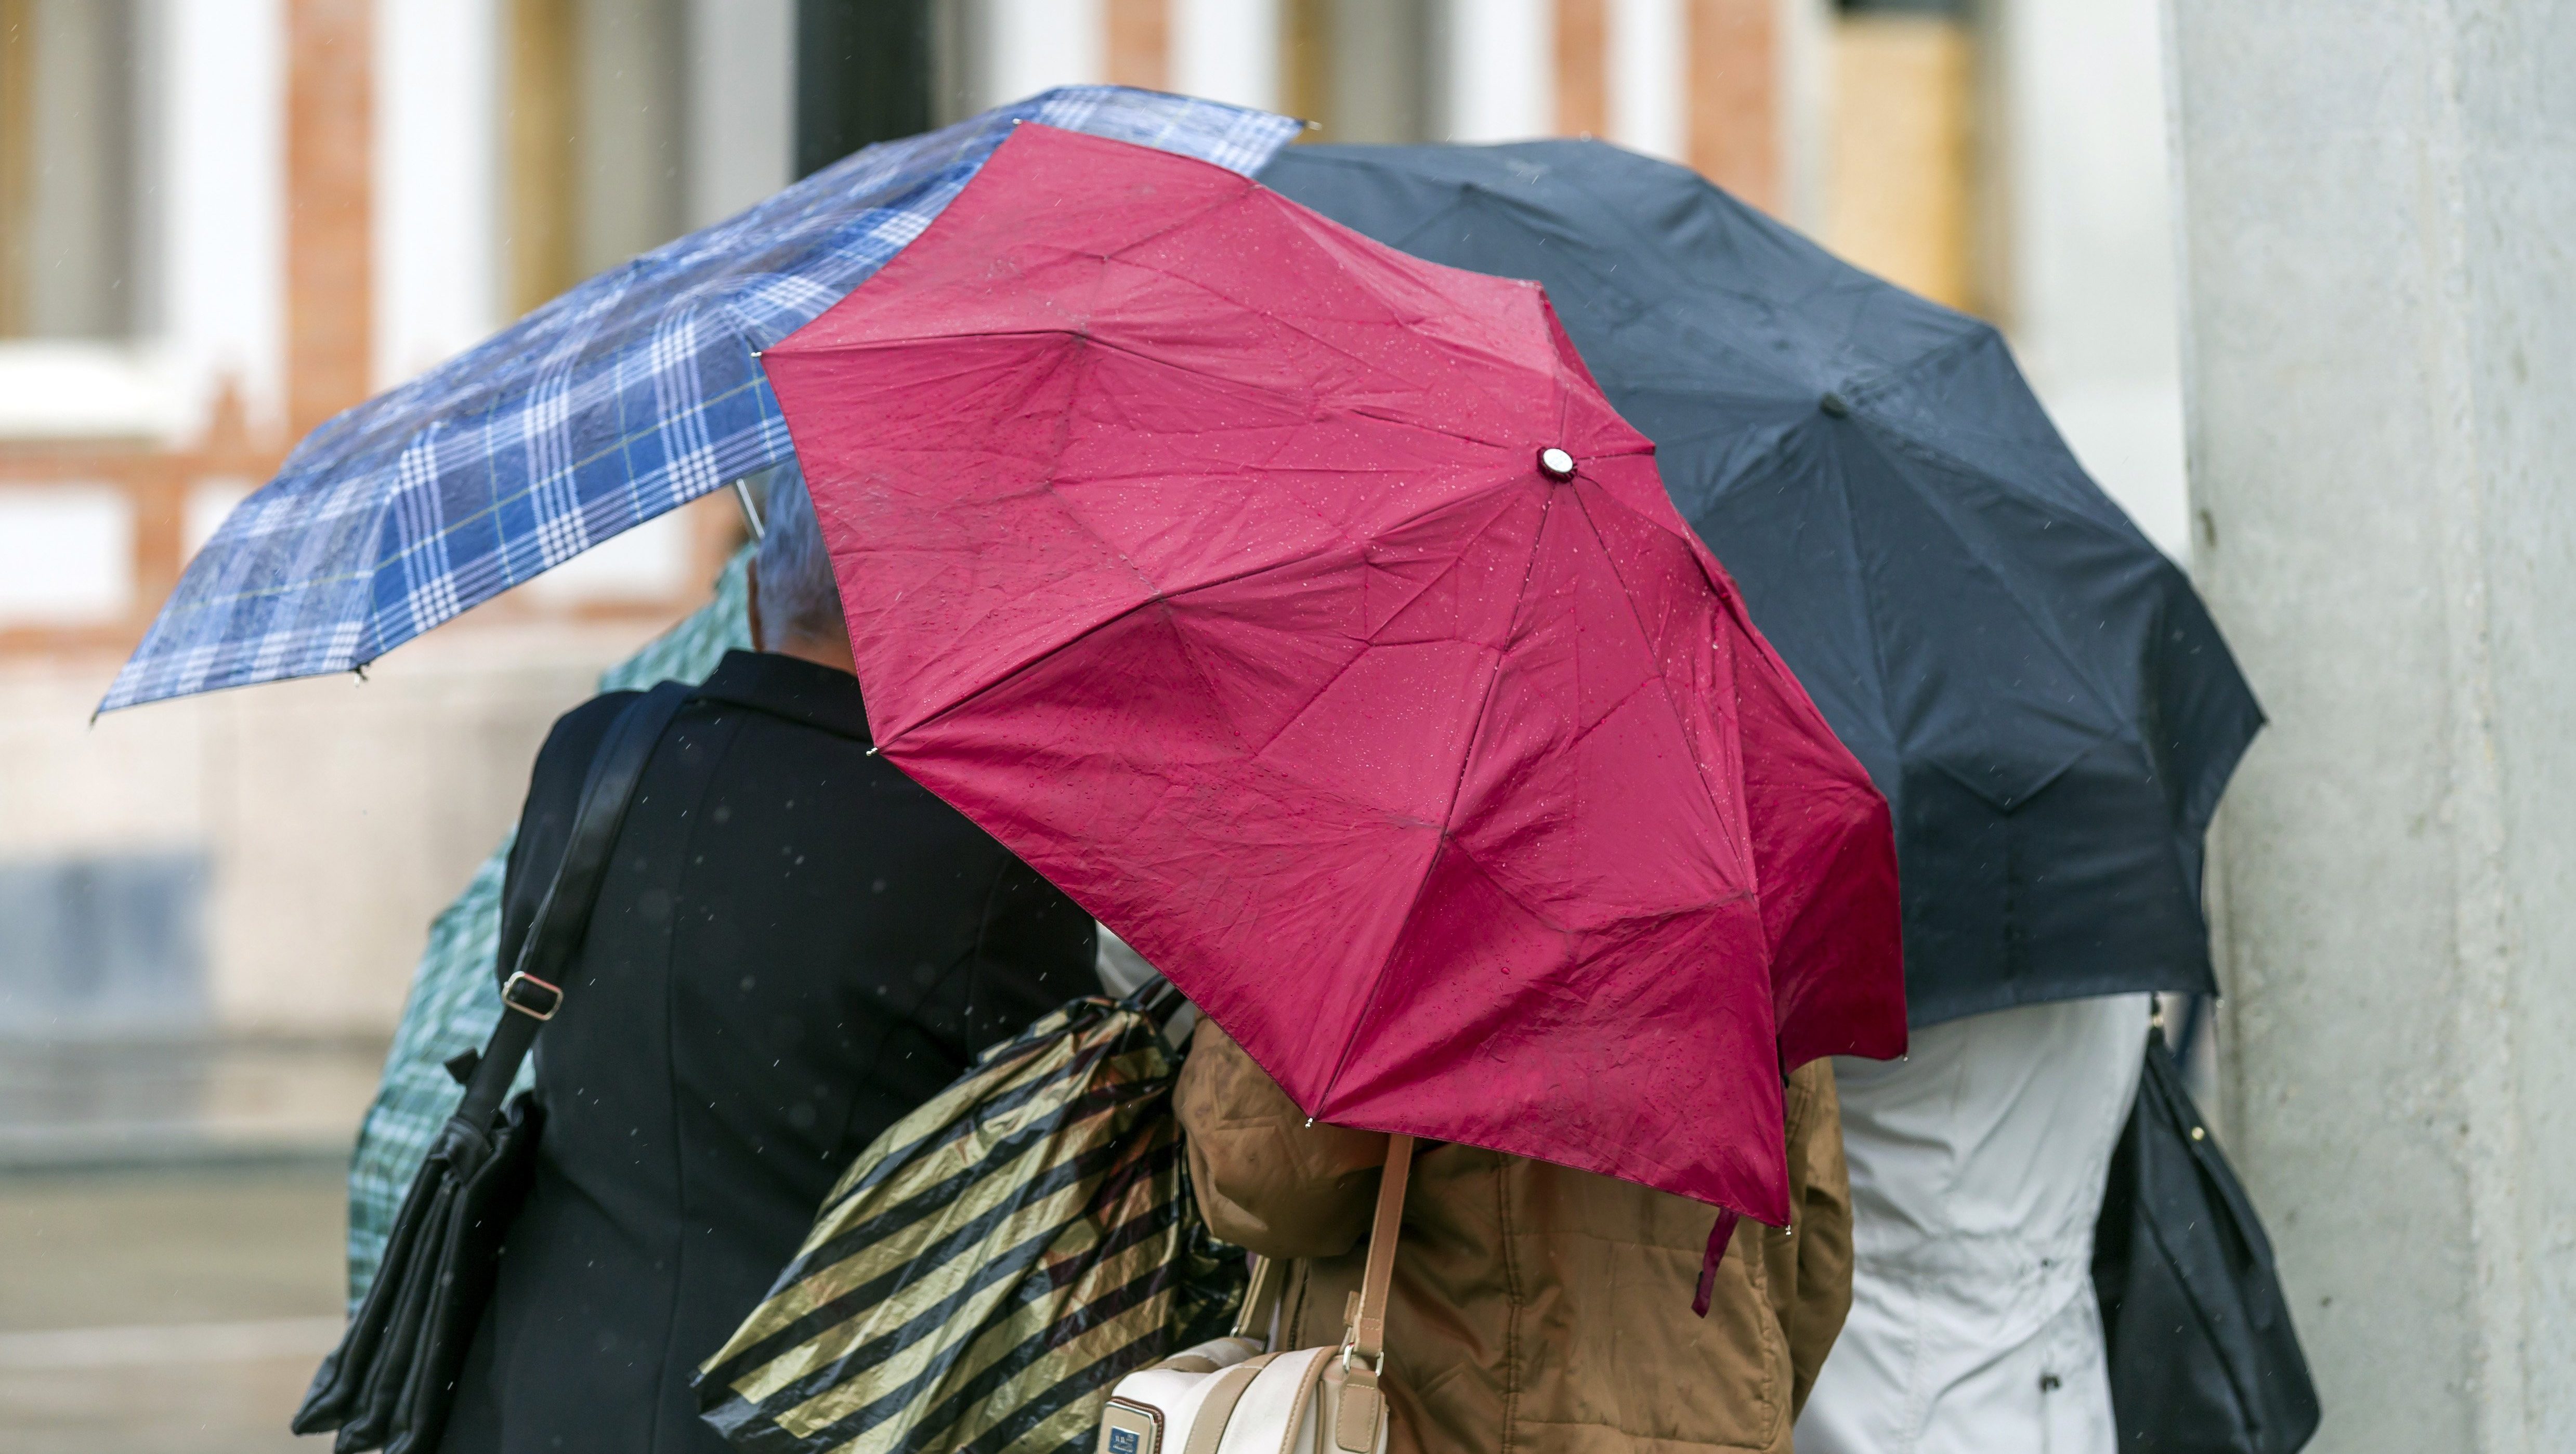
[632,394]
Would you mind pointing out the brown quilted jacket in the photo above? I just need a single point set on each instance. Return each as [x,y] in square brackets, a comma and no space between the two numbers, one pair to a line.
[1535,1308]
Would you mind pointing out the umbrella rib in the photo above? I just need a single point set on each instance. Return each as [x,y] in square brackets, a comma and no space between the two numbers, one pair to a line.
[1321,520]
[1012,673]
[1005,676]
[561,361]
[1638,254]
[1367,644]
[1159,594]
[1879,678]
[637,337]
[1074,331]
[1876,681]
[570,323]
[623,443]
[2041,626]
[1629,599]
[1295,327]
[1249,188]
[492,507]
[1266,316]
[1643,252]
[1363,412]
[1165,599]
[1475,733]
[1965,340]
[1658,680]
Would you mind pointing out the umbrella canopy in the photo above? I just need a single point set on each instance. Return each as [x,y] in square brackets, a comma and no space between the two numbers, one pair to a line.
[1303,610]
[634,393]
[2042,697]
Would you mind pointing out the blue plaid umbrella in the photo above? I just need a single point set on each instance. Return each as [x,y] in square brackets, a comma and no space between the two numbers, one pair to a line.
[637,391]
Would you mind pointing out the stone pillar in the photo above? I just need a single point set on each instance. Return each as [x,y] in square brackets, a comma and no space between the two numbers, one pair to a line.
[1735,81]
[2376,204]
[1140,43]
[1226,50]
[1494,70]
[329,202]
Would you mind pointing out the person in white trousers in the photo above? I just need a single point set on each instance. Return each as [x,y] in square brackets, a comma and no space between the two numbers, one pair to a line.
[1977,1165]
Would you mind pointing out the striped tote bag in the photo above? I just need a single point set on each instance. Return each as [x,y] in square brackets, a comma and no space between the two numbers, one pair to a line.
[993,1263]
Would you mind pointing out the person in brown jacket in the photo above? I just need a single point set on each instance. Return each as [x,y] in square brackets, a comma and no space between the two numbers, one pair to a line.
[1534,1307]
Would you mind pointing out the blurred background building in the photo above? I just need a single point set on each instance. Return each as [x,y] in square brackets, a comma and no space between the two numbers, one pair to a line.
[221,221]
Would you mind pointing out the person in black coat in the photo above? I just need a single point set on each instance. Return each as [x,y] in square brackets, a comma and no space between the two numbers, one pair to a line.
[795,944]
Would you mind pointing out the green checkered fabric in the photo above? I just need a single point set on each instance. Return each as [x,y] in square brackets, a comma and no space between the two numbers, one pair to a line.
[453,1003]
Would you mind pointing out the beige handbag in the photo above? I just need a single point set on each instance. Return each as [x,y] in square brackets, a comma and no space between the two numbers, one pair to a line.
[1229,1397]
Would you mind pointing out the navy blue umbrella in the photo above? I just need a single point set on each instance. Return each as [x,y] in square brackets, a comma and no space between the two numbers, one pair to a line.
[2035,687]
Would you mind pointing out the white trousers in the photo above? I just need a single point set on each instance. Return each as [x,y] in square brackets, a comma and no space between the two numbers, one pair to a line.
[1976,1172]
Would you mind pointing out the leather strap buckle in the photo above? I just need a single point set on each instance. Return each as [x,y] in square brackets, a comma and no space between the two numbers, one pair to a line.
[531,996]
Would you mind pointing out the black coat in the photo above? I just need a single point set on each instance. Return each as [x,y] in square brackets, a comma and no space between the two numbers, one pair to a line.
[795,944]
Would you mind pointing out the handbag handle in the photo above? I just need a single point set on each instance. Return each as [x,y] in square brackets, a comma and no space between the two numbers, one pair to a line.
[533,992]
[1365,1338]
[1260,1293]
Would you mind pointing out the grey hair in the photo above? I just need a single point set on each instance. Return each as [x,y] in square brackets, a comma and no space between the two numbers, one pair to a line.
[798,596]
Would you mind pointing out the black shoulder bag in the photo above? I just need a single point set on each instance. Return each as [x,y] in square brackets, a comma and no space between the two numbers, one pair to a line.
[2203,1358]
[390,1383]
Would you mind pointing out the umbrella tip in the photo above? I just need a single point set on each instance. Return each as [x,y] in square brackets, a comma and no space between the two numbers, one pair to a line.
[1555,463]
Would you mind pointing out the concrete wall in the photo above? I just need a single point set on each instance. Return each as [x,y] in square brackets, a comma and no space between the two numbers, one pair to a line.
[2377,207]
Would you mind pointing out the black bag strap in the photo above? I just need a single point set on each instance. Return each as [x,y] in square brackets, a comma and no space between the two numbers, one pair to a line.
[534,991]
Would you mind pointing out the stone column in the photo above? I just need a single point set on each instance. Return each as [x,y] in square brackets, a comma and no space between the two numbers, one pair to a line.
[1226,50]
[1734,89]
[329,207]
[2378,224]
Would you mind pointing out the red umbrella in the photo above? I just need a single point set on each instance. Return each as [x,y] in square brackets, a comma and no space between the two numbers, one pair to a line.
[1305,613]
